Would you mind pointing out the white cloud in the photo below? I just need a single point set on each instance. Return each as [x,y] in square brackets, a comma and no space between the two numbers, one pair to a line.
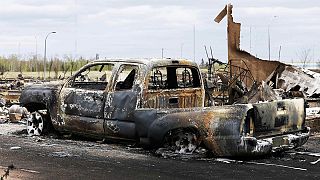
[145,15]
[280,11]
[22,11]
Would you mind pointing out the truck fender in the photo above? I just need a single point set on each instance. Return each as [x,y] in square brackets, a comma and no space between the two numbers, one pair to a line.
[161,126]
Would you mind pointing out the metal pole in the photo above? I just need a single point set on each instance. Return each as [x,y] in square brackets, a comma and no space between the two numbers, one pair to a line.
[45,55]
[269,41]
[36,57]
[162,53]
[279,53]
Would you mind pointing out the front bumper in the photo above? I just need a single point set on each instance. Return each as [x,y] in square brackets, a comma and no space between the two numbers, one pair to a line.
[253,146]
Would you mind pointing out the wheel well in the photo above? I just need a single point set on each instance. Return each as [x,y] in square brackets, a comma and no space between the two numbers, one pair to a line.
[35,106]
[249,125]
[186,129]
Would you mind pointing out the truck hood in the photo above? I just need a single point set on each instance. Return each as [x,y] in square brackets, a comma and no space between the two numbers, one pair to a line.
[45,94]
[54,85]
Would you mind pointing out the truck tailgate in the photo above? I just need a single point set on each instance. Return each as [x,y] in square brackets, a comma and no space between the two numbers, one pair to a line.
[278,117]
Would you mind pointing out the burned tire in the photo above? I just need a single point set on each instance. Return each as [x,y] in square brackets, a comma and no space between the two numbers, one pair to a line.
[38,123]
[182,141]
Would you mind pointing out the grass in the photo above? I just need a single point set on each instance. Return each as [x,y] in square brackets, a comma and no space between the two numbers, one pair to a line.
[13,75]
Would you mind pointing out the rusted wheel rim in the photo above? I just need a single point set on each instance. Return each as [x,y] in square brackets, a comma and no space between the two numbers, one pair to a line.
[35,124]
[184,142]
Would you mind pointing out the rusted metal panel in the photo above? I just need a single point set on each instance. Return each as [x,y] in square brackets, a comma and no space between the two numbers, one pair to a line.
[88,103]
[243,59]
[292,78]
[11,95]
[41,96]
[277,125]
[254,65]
[83,125]
[221,15]
[172,91]
[278,117]
[185,98]
[120,129]
[220,127]
[120,105]
[283,76]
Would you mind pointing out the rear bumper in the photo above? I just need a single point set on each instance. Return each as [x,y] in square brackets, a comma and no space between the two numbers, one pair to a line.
[253,146]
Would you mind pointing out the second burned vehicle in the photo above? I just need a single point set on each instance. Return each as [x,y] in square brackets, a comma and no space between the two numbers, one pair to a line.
[161,102]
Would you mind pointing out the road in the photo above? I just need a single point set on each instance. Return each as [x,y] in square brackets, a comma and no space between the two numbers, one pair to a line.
[53,158]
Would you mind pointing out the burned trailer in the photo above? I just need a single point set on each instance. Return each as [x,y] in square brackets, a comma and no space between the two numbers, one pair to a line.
[161,102]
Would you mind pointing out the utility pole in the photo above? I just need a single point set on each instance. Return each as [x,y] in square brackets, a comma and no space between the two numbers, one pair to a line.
[269,41]
[19,58]
[279,52]
[36,57]
[162,53]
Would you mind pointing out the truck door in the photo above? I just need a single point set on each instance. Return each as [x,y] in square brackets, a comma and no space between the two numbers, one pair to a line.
[82,99]
[121,102]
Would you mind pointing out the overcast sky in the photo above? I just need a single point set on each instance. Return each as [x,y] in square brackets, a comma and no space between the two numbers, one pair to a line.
[141,28]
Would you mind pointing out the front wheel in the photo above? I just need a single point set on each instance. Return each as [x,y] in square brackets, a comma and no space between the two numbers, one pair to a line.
[37,123]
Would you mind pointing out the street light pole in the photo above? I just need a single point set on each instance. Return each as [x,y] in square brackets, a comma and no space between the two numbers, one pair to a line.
[45,55]
[36,57]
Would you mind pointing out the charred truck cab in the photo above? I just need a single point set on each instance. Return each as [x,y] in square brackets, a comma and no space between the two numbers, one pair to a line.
[161,102]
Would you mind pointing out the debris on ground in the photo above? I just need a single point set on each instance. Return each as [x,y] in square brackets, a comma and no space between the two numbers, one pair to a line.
[13,113]
[17,113]
[315,162]
[167,153]
[7,172]
[61,154]
[15,147]
[12,128]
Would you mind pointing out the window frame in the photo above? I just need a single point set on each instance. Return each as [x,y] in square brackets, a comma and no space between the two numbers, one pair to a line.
[195,73]
[72,83]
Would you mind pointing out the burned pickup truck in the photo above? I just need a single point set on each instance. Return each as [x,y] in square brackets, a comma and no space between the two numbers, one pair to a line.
[161,102]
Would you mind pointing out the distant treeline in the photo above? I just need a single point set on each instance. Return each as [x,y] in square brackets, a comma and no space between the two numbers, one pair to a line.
[53,65]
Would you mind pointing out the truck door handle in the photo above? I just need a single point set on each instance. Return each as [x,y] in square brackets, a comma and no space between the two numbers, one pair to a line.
[173,100]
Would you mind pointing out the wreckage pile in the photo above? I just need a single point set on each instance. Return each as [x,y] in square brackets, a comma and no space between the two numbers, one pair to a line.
[14,113]
[276,80]
[10,90]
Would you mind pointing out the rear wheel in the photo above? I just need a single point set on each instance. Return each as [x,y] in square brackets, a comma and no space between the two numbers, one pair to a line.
[182,141]
[37,123]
